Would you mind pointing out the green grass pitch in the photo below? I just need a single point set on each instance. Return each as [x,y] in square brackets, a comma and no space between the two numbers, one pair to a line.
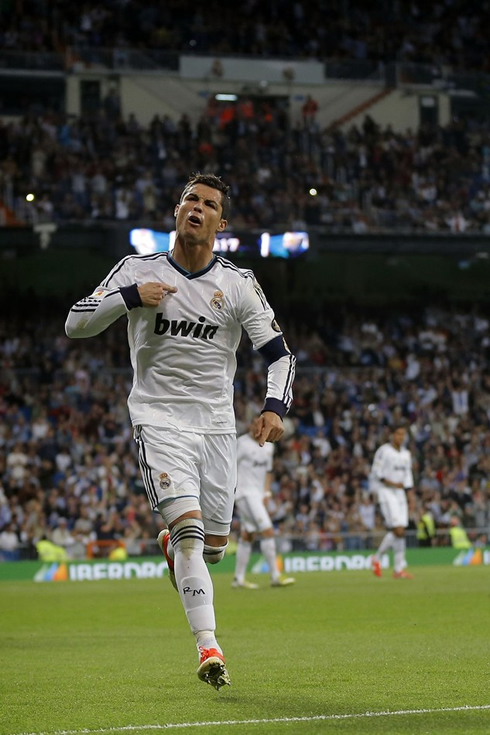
[317,657]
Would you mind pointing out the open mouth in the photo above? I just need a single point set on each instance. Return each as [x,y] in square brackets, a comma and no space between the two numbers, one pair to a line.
[194,219]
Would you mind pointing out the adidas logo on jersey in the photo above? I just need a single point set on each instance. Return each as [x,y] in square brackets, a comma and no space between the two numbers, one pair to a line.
[184,328]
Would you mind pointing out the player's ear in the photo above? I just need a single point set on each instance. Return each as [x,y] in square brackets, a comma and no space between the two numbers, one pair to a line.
[176,210]
[222,225]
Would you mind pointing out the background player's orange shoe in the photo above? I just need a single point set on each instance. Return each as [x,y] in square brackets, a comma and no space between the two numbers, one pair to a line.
[402,575]
[376,567]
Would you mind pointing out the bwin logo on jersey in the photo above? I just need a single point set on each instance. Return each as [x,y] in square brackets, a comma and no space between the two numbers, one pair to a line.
[184,328]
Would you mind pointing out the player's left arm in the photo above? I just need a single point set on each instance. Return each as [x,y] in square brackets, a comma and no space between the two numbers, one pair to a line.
[258,320]
[409,485]
[267,486]
[408,479]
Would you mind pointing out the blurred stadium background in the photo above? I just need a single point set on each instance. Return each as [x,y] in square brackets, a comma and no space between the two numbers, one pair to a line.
[356,139]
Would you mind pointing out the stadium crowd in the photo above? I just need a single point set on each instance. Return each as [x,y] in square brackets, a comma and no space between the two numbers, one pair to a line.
[283,173]
[451,32]
[68,465]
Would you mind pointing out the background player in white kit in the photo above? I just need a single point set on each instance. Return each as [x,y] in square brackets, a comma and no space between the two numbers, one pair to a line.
[391,473]
[254,475]
[185,312]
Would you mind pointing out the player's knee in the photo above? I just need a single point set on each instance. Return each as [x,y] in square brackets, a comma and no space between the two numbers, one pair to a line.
[214,554]
[187,536]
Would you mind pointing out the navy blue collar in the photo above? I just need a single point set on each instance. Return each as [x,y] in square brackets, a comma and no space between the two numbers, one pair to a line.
[188,274]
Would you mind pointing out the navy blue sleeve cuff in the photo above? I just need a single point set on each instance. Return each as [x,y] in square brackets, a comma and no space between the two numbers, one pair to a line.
[274,350]
[131,296]
[274,405]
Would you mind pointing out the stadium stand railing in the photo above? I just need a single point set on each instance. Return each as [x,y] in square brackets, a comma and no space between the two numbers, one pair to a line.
[127,59]
[41,61]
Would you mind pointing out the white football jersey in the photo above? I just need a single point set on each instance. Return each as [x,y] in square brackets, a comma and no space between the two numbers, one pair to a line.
[392,464]
[183,351]
[253,464]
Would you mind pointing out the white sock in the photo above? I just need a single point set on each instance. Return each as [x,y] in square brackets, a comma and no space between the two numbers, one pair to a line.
[268,549]
[386,544]
[206,639]
[399,546]
[243,551]
[192,576]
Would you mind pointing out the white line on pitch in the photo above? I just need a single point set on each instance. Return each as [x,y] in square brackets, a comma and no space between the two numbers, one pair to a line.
[272,720]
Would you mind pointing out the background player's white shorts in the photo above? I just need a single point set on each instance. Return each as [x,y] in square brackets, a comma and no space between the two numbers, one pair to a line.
[200,467]
[253,514]
[394,507]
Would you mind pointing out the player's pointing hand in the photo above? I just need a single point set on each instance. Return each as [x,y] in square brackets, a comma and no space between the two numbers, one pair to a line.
[152,293]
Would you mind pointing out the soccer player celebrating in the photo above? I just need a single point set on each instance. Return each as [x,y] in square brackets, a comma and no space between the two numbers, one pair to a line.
[185,312]
[253,487]
[392,474]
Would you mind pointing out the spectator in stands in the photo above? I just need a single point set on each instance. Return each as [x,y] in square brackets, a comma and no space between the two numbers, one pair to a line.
[309,111]
[459,537]
[9,543]
[61,535]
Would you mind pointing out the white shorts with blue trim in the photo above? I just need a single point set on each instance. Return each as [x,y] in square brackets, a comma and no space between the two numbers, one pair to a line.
[394,507]
[252,512]
[200,467]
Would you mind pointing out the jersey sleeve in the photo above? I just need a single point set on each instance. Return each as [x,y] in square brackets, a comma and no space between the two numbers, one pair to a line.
[116,295]
[408,483]
[378,468]
[258,320]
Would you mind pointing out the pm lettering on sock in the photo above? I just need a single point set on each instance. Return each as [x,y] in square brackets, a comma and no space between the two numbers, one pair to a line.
[193,592]
[198,603]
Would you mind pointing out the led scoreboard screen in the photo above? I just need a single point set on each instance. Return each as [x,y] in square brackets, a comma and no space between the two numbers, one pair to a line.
[262,245]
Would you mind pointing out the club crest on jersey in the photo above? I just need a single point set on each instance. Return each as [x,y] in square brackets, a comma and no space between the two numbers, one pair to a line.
[165,481]
[217,300]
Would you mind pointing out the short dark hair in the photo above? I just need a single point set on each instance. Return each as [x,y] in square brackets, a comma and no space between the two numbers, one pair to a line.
[399,425]
[215,182]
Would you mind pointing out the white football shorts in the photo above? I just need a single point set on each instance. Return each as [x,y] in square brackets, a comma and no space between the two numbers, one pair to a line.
[198,467]
[394,507]
[253,514]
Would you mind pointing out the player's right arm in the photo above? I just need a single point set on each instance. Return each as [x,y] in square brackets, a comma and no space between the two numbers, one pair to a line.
[117,295]
[267,487]
[382,469]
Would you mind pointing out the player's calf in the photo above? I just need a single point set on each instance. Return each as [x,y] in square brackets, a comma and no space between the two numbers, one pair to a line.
[214,554]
